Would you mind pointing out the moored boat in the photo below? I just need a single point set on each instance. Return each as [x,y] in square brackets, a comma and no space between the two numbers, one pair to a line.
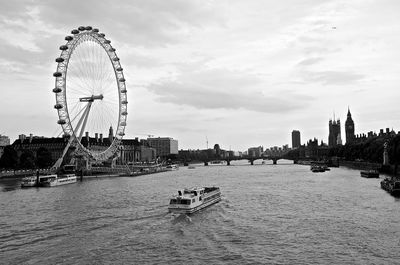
[372,173]
[57,180]
[29,181]
[194,199]
[317,168]
[391,185]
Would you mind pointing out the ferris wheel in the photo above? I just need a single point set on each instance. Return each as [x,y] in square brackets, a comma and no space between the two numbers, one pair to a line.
[91,93]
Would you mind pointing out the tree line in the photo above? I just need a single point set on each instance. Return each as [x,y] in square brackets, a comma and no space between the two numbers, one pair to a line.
[27,159]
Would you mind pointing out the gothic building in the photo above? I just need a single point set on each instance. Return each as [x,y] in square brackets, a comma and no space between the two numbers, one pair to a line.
[349,128]
[334,138]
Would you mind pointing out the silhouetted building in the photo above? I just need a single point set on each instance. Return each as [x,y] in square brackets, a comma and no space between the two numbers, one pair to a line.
[256,151]
[349,128]
[4,141]
[296,142]
[334,133]
[217,150]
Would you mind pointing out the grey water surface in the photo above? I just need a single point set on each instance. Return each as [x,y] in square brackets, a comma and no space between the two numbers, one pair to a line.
[269,214]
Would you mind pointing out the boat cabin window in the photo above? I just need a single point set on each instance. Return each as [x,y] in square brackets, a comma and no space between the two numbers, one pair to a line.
[185,201]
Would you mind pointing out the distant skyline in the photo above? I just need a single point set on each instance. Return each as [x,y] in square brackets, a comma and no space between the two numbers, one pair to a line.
[238,73]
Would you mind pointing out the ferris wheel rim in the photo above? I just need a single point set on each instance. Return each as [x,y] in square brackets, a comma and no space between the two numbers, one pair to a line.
[81,35]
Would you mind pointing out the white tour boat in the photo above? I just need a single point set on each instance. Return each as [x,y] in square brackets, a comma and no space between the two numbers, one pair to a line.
[57,180]
[192,200]
[29,181]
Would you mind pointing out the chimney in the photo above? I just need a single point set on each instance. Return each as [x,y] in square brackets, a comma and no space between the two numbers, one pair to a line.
[101,137]
[96,135]
[30,138]
[87,137]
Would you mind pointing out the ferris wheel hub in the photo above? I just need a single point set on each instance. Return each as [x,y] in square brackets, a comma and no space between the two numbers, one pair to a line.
[91,98]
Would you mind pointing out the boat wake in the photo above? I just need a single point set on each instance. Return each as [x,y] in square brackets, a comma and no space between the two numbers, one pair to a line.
[181,218]
[148,216]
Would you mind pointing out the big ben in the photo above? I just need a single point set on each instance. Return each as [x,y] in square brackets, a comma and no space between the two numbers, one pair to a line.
[349,128]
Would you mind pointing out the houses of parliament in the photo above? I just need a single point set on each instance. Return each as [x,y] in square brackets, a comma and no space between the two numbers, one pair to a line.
[334,137]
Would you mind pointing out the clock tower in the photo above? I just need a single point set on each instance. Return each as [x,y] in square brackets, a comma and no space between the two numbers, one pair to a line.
[349,128]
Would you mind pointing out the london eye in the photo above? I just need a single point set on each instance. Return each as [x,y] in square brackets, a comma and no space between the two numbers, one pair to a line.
[90,92]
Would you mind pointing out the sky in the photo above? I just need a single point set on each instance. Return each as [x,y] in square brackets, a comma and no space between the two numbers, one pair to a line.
[233,72]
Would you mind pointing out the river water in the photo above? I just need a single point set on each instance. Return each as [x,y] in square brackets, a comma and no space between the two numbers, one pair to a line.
[269,214]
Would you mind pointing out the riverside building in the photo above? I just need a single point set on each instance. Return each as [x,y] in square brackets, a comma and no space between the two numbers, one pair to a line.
[164,146]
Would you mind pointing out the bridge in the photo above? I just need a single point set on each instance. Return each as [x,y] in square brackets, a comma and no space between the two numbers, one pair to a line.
[251,159]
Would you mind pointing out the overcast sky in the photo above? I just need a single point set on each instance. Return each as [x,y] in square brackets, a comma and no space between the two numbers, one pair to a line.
[240,73]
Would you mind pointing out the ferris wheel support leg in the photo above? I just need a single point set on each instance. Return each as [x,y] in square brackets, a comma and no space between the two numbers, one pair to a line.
[86,115]
[58,163]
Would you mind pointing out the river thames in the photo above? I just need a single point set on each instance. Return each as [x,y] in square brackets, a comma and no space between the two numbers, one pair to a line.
[269,214]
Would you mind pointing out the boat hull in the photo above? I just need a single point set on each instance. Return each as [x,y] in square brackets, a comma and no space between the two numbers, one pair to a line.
[59,181]
[366,174]
[28,184]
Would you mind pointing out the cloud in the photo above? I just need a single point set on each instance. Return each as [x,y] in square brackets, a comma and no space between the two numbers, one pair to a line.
[310,61]
[221,89]
[332,77]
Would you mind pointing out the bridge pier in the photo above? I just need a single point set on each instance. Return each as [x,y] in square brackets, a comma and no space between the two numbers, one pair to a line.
[252,162]
[274,161]
[228,162]
[205,163]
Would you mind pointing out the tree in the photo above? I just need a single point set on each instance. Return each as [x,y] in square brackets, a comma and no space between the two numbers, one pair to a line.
[9,159]
[27,160]
[43,158]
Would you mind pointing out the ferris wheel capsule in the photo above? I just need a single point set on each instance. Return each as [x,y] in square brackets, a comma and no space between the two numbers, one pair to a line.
[57,74]
[81,28]
[75,31]
[59,60]
[88,28]
[58,106]
[69,38]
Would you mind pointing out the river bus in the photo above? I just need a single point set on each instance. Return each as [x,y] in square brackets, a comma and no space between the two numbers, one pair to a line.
[194,199]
